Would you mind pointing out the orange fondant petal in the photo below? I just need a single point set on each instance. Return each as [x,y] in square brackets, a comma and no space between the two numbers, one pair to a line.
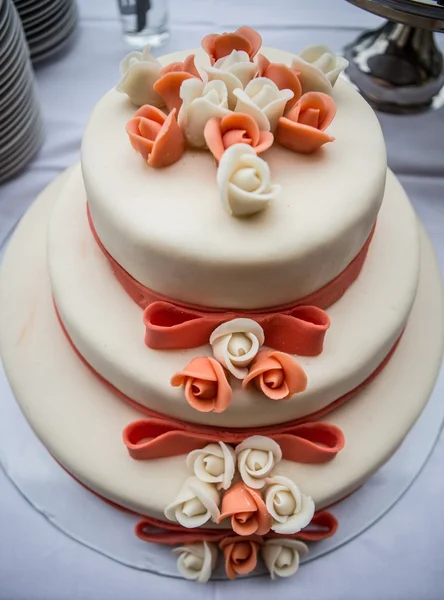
[286,79]
[263,517]
[273,378]
[168,88]
[262,363]
[236,136]
[280,392]
[173,67]
[238,499]
[199,368]
[310,117]
[262,63]
[225,43]
[208,44]
[149,129]
[138,142]
[169,144]
[243,122]
[189,66]
[197,402]
[300,138]
[253,37]
[295,376]
[246,565]
[266,139]
[228,551]
[317,100]
[224,391]
[151,112]
[244,526]
[213,138]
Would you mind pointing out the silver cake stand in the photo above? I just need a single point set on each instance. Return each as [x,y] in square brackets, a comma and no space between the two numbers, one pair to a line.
[398,68]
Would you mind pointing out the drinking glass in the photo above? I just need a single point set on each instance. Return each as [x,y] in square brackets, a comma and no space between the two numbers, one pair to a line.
[144,22]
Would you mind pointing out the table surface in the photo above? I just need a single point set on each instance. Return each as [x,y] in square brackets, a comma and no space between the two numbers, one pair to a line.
[402,555]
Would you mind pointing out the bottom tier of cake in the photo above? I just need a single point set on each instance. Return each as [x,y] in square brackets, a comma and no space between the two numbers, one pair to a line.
[81,421]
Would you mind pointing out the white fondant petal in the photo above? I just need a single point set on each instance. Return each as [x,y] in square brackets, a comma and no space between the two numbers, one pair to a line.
[240,324]
[289,516]
[229,79]
[282,556]
[261,442]
[244,335]
[196,503]
[137,82]
[196,561]
[200,102]
[319,68]
[237,201]
[213,464]
[246,105]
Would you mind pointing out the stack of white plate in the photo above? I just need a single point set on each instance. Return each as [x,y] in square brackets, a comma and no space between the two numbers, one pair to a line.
[20,117]
[49,25]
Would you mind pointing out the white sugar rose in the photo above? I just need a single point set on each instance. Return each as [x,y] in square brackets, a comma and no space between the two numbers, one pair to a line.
[319,69]
[256,458]
[200,102]
[244,181]
[235,70]
[214,464]
[140,71]
[236,343]
[196,503]
[290,509]
[196,561]
[282,556]
[264,101]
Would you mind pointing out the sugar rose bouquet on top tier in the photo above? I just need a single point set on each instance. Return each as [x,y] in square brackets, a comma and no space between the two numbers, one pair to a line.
[234,102]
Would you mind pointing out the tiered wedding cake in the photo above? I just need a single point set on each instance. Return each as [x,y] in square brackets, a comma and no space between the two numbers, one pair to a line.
[227,318]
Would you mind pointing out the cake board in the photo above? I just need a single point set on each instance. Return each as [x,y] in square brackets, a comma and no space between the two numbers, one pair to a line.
[107,529]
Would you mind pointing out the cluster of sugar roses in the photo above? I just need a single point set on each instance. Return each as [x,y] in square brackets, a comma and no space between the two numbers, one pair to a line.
[254,500]
[236,103]
[236,348]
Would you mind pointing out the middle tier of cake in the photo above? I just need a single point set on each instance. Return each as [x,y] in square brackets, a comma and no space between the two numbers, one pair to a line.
[106,327]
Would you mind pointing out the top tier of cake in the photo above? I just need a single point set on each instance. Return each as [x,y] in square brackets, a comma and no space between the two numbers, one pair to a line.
[168,229]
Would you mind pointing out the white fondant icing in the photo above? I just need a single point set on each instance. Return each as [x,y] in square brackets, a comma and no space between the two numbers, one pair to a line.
[244,181]
[264,101]
[196,561]
[79,424]
[167,228]
[214,464]
[196,503]
[140,71]
[256,458]
[235,70]
[282,556]
[319,68]
[365,323]
[200,102]
[290,509]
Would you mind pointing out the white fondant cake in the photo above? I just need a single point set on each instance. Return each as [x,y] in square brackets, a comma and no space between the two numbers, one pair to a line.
[163,311]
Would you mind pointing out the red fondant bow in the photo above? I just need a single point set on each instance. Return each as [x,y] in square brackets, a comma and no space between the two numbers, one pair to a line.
[300,330]
[305,443]
[322,526]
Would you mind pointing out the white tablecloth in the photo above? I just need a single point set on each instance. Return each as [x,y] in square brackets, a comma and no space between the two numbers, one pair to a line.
[401,556]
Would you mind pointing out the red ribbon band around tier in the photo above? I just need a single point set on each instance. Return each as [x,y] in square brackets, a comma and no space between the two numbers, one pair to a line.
[322,526]
[295,328]
[305,443]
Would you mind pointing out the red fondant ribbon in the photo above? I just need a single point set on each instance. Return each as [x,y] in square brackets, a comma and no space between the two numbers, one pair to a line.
[322,298]
[305,443]
[322,526]
[299,331]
